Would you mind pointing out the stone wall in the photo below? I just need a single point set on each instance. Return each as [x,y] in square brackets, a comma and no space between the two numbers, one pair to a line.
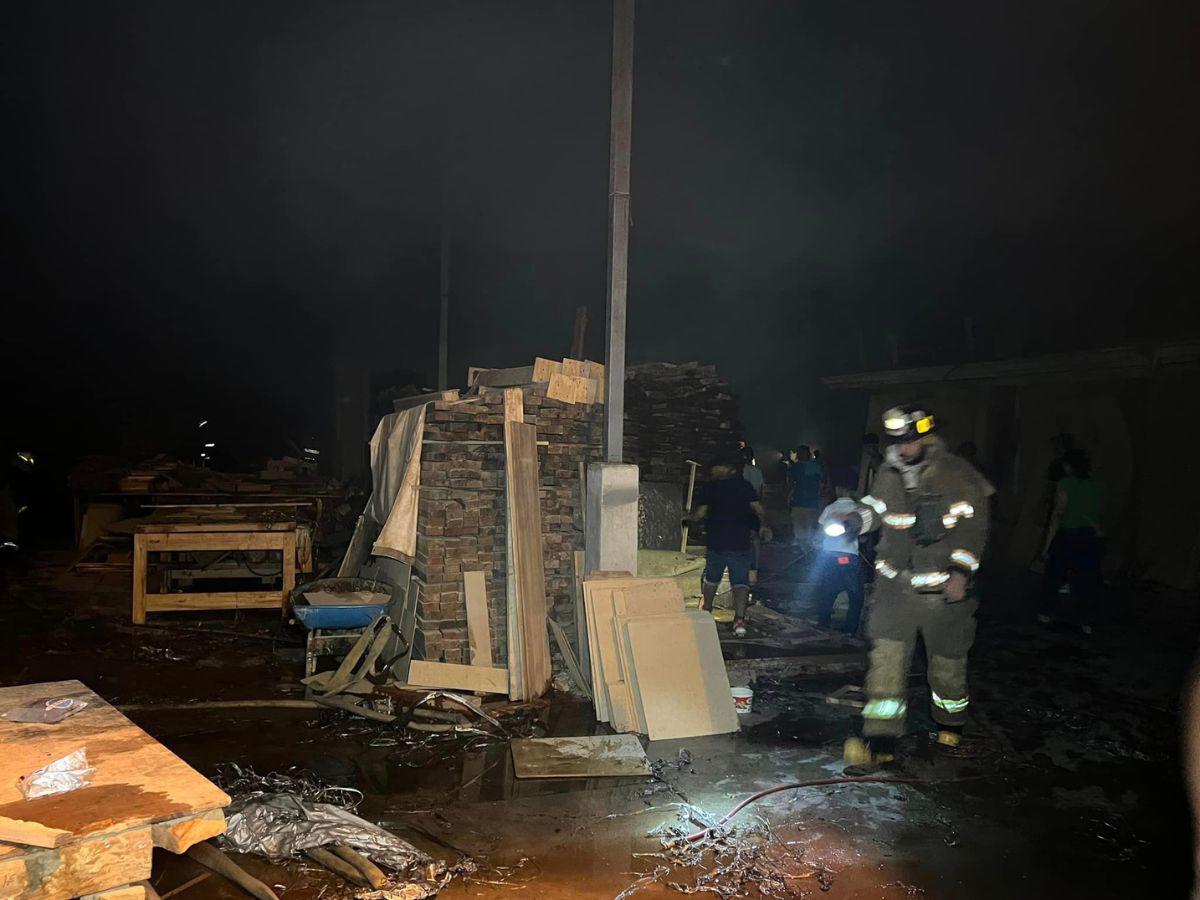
[461,514]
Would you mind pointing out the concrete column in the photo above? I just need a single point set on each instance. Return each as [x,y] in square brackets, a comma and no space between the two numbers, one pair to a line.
[612,518]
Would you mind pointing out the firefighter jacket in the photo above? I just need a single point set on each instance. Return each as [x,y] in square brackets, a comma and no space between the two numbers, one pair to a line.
[932,517]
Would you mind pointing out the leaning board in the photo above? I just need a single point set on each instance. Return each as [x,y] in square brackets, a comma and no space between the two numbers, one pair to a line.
[681,676]
[604,600]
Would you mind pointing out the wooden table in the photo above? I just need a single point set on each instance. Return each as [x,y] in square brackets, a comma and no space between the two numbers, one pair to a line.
[141,796]
[184,533]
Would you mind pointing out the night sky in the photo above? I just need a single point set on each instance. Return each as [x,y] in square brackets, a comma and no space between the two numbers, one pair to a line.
[206,203]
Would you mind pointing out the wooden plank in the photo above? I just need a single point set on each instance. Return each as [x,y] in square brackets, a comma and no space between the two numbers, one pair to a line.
[681,676]
[571,388]
[178,835]
[137,781]
[126,892]
[514,412]
[83,867]
[289,570]
[599,756]
[217,600]
[544,368]
[424,673]
[479,632]
[358,551]
[139,565]
[31,834]
[504,377]
[514,405]
[573,367]
[158,543]
[582,644]
[525,511]
[196,524]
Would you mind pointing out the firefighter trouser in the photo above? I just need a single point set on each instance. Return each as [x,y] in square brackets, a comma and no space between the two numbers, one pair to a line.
[895,620]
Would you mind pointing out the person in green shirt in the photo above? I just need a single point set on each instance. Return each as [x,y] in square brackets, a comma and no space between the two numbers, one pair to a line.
[1074,546]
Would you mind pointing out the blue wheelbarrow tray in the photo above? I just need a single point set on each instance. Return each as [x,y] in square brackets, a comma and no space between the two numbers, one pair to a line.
[350,614]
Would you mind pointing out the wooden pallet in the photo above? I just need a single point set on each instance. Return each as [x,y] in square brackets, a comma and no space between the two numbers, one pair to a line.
[141,796]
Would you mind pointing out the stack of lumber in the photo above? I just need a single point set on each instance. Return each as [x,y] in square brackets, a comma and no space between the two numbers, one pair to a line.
[656,667]
[676,412]
[568,380]
[499,518]
[97,839]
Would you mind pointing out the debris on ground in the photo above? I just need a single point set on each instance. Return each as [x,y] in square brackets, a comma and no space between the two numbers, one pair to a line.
[289,815]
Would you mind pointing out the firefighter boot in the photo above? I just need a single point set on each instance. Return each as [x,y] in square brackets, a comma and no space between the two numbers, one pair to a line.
[863,755]
[741,599]
[708,595]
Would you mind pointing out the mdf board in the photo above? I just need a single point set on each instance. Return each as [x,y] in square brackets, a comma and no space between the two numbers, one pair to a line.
[598,756]
[681,676]
[479,632]
[604,600]
[528,572]
[423,673]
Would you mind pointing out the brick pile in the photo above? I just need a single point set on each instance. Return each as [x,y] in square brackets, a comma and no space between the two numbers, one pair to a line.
[675,412]
[461,513]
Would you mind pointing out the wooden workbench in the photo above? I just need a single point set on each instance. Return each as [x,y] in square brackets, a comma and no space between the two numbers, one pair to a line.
[141,796]
[182,532]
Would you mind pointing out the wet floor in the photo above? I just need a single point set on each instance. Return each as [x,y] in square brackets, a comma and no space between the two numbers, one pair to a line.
[1071,789]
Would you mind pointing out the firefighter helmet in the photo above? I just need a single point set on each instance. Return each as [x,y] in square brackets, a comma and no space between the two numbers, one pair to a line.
[907,423]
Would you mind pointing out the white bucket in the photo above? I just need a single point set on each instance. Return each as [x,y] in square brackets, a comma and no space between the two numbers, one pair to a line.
[743,697]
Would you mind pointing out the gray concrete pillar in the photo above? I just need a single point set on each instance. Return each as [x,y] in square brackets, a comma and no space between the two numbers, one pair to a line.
[612,518]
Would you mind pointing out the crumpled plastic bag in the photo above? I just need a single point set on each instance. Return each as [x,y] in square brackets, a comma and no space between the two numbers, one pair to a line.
[282,825]
[63,775]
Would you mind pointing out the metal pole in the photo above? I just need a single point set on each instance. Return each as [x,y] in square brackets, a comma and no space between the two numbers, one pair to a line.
[444,311]
[618,232]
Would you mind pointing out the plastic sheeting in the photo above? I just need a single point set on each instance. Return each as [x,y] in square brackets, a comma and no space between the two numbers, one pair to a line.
[396,479]
[282,826]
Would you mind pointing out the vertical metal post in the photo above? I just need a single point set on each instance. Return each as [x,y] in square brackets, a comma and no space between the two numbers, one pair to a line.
[444,310]
[618,231]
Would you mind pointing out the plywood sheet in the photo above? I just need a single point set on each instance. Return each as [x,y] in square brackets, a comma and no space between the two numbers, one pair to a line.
[137,780]
[479,632]
[528,572]
[681,676]
[597,756]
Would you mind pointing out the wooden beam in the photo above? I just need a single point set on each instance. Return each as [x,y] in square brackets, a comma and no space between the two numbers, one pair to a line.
[217,600]
[31,834]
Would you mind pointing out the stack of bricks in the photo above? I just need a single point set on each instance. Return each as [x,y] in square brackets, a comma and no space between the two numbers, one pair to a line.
[461,513]
[676,412]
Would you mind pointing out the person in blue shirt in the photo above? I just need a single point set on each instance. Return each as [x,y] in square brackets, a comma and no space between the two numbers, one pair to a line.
[804,494]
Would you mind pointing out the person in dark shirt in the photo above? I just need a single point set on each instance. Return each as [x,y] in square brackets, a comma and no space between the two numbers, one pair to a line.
[733,514]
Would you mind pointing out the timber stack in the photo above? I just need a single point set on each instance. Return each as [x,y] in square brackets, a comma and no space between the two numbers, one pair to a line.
[675,412]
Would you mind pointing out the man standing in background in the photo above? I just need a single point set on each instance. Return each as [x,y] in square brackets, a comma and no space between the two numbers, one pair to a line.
[804,496]
[733,514]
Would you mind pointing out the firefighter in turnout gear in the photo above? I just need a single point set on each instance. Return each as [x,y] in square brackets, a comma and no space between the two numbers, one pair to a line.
[931,509]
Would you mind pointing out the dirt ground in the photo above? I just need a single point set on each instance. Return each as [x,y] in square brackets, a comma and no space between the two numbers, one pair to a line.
[1072,789]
